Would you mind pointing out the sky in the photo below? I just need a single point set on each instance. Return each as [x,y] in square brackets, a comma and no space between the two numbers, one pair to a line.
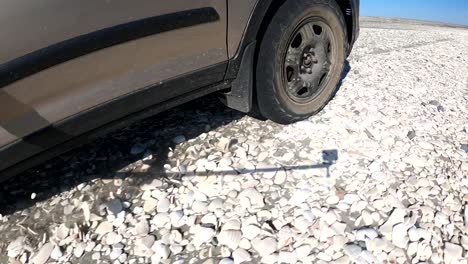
[450,11]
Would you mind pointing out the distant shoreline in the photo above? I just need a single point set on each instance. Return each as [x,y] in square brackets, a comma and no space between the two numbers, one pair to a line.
[366,20]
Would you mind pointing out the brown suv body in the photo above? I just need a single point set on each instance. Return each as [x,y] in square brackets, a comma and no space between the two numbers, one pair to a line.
[71,69]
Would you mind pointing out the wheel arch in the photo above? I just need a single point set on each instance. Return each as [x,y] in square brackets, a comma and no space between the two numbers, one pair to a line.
[264,11]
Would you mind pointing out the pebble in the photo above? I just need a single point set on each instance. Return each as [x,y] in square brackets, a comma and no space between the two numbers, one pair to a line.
[353,251]
[114,206]
[302,224]
[79,250]
[241,256]
[324,256]
[366,234]
[163,205]
[113,238]
[160,220]
[179,139]
[44,253]
[16,247]
[202,235]
[245,244]
[400,236]
[280,177]
[416,161]
[175,217]
[176,249]
[230,238]
[199,207]
[298,197]
[232,225]
[56,253]
[351,198]
[147,241]
[254,197]
[396,217]
[251,231]
[332,200]
[378,245]
[303,251]
[452,253]
[287,257]
[411,135]
[115,254]
[142,228]
[150,205]
[226,261]
[265,246]
[104,228]
[161,251]
[464,166]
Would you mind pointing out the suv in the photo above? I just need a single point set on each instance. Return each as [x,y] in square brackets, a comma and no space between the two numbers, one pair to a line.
[71,70]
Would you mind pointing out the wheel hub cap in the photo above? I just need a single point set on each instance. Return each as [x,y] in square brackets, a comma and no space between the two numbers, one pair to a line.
[309,58]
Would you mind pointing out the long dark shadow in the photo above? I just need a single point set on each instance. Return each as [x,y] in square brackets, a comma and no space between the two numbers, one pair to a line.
[105,157]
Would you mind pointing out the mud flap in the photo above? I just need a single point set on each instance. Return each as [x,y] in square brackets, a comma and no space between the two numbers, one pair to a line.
[240,96]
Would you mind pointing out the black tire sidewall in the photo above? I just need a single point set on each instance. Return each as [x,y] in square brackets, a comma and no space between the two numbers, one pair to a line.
[275,103]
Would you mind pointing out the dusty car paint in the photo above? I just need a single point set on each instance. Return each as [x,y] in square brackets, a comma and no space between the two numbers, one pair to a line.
[239,15]
[75,85]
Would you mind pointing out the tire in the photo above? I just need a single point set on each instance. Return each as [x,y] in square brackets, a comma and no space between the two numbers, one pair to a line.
[281,70]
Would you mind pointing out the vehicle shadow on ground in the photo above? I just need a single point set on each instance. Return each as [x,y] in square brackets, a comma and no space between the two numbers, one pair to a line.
[121,154]
[111,157]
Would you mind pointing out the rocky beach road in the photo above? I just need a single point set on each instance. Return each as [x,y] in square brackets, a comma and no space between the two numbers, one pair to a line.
[379,176]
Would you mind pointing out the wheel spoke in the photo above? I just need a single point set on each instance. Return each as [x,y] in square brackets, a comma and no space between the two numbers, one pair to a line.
[320,77]
[290,62]
[314,83]
[301,89]
[294,51]
[325,35]
[326,41]
[326,67]
[293,56]
[307,33]
[291,73]
[295,85]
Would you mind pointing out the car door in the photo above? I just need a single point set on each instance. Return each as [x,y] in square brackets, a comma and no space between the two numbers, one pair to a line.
[61,59]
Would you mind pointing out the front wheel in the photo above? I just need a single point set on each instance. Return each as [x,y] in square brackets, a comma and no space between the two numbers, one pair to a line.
[300,60]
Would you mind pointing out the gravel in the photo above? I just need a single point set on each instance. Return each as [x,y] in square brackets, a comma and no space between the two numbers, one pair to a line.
[380,175]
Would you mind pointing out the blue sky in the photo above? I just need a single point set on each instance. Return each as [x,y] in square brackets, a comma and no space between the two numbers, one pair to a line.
[451,11]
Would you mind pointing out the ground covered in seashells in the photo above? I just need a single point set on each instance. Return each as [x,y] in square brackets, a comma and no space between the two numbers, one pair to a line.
[380,175]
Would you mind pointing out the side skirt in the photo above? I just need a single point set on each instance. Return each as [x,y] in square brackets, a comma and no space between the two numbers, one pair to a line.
[88,126]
